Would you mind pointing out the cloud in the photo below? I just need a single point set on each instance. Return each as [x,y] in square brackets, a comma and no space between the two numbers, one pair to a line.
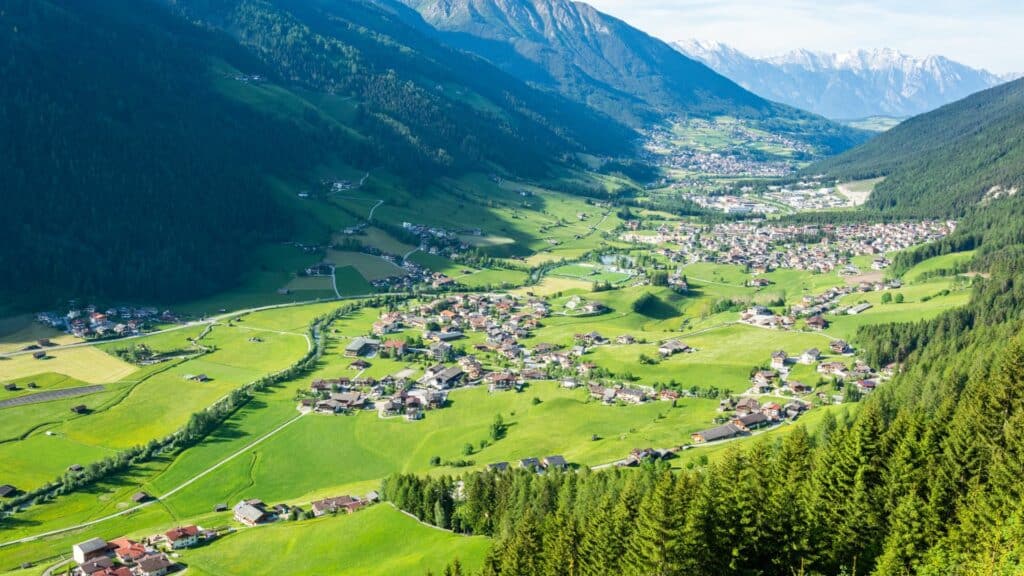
[982,33]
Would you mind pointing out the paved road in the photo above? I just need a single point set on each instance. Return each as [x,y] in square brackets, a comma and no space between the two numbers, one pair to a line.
[374,209]
[51,395]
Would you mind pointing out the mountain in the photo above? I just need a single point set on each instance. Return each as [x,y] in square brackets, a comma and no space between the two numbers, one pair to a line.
[593,58]
[850,85]
[142,150]
[945,162]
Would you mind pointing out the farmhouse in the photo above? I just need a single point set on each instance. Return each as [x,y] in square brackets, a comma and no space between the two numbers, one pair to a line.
[251,512]
[810,356]
[751,421]
[632,395]
[714,434]
[128,551]
[817,323]
[361,346]
[155,565]
[747,406]
[332,505]
[91,548]
[839,347]
[530,463]
[672,347]
[182,537]
[556,462]
[779,359]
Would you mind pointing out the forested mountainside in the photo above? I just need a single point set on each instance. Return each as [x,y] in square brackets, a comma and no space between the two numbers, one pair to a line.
[922,478]
[849,85]
[136,145]
[592,58]
[947,161]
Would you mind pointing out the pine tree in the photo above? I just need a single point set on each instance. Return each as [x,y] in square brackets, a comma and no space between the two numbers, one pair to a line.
[656,543]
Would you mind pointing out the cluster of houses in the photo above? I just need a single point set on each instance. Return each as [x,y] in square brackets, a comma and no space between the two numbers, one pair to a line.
[749,415]
[538,465]
[812,306]
[127,557]
[764,246]
[255,512]
[808,195]
[736,160]
[93,322]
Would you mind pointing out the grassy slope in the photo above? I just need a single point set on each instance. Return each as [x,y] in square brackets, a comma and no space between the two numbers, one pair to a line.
[312,547]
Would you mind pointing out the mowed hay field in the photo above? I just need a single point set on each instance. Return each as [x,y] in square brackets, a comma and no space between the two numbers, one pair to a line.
[377,541]
[86,363]
[369,266]
[19,331]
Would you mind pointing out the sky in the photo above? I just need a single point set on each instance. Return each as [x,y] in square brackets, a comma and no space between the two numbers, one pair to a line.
[981,33]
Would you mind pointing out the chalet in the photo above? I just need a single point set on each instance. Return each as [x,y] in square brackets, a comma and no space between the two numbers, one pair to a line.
[772,410]
[350,400]
[764,379]
[530,463]
[251,512]
[497,381]
[440,351]
[798,387]
[90,549]
[817,323]
[498,467]
[382,327]
[810,356]
[413,413]
[779,359]
[7,491]
[669,395]
[358,364]
[751,421]
[625,339]
[556,462]
[747,406]
[395,347]
[866,386]
[99,565]
[320,386]
[594,308]
[128,551]
[332,505]
[154,565]
[361,346]
[839,347]
[182,537]
[724,432]
[832,369]
[632,395]
[672,347]
[443,379]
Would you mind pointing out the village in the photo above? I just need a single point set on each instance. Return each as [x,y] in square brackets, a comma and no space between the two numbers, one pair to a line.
[92,322]
[764,247]
[160,554]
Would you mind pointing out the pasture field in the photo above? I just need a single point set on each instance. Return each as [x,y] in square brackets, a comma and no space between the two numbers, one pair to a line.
[381,240]
[21,330]
[370,547]
[440,264]
[369,266]
[44,382]
[87,363]
[589,272]
[494,278]
[938,265]
[350,282]
[923,301]
[311,286]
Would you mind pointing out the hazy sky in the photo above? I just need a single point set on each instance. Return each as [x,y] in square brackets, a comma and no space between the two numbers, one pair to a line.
[981,33]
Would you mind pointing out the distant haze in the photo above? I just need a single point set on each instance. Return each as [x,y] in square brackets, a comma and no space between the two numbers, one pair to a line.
[981,33]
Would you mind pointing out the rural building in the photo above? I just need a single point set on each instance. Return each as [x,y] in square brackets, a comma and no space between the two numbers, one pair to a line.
[672,347]
[498,467]
[128,551]
[7,490]
[155,565]
[79,409]
[41,355]
[251,512]
[714,434]
[90,549]
[140,497]
[529,463]
[810,356]
[751,421]
[779,359]
[332,505]
[817,323]
[361,346]
[182,537]
[556,462]
[859,308]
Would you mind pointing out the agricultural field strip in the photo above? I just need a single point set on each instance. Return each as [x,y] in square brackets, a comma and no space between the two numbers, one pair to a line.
[52,395]
[168,494]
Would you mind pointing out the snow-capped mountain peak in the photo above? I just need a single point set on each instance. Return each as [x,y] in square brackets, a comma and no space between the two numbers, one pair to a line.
[853,84]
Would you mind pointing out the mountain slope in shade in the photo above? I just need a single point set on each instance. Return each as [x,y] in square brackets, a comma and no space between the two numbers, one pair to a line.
[593,58]
[855,84]
[945,162]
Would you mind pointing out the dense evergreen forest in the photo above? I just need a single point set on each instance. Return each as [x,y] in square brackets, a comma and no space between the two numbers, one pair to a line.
[945,162]
[133,168]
